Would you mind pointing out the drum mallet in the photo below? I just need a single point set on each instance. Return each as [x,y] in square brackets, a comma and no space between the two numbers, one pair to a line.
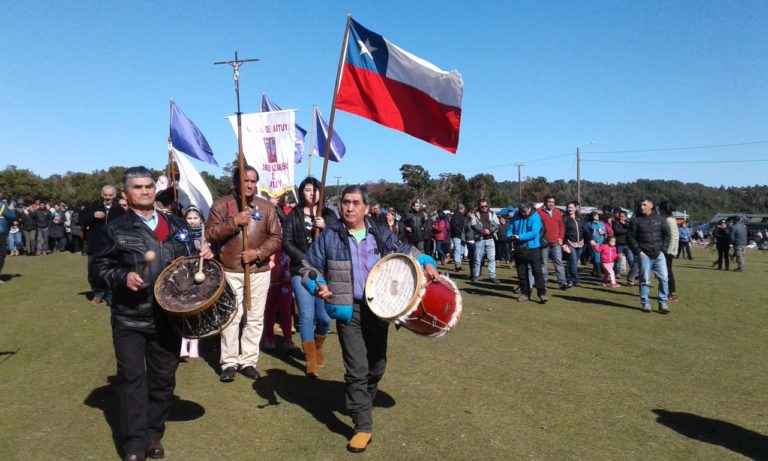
[149,257]
[199,275]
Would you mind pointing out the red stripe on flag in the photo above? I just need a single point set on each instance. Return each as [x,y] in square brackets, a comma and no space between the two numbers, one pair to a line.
[399,106]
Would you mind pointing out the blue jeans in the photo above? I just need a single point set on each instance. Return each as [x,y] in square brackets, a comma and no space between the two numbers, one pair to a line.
[659,268]
[485,247]
[553,253]
[312,316]
[631,263]
[14,242]
[458,250]
[439,249]
[573,265]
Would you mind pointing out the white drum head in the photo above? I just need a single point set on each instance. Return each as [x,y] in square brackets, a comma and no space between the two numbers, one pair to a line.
[395,286]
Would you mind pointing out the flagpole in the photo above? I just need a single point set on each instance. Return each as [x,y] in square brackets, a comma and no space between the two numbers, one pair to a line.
[321,203]
[241,167]
[311,139]
[171,172]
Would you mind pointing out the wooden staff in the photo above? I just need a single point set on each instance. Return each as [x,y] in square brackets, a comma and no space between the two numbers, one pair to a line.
[171,171]
[241,167]
[321,203]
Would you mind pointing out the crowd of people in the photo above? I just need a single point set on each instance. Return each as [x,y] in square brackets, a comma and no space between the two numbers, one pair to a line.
[309,263]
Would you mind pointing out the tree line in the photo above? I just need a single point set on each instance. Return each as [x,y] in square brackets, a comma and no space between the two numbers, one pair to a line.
[445,191]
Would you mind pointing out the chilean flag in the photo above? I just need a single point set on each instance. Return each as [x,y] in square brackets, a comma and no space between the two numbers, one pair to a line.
[396,89]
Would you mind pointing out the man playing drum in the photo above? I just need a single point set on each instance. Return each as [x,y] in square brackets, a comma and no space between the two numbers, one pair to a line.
[336,268]
[264,239]
[137,246]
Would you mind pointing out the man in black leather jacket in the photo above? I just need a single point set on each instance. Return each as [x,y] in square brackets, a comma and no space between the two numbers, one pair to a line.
[146,348]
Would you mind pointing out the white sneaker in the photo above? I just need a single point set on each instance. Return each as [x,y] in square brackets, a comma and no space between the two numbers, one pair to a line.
[647,307]
[663,308]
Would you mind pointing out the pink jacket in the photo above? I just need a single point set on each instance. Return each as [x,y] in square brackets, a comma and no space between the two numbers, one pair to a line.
[440,229]
[608,253]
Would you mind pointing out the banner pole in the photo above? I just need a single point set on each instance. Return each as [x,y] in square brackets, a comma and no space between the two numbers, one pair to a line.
[342,56]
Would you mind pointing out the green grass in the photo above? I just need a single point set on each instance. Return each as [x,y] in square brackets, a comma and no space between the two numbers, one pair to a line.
[574,379]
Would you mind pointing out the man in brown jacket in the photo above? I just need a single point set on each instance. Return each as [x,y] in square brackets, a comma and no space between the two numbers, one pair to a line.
[264,239]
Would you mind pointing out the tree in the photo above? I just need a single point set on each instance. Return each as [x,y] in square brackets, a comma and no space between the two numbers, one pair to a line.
[416,177]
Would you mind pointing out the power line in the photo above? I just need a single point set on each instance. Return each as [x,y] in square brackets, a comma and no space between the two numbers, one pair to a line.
[673,148]
[681,162]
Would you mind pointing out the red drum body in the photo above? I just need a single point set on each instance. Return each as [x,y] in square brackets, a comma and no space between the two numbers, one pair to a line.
[437,312]
[398,291]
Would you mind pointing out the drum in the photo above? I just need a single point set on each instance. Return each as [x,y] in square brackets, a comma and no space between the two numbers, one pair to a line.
[196,310]
[398,291]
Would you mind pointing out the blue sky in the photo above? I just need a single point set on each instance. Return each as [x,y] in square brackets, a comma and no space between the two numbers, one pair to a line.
[86,85]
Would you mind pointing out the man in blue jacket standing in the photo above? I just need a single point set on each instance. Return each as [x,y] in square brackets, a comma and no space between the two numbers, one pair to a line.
[336,269]
[525,234]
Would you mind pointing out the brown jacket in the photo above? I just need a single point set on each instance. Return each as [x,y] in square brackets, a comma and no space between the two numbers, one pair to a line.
[264,234]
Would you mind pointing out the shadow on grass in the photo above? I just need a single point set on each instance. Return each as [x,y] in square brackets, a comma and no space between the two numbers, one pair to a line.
[318,397]
[106,399]
[603,302]
[702,268]
[616,291]
[5,355]
[8,277]
[717,432]
[497,292]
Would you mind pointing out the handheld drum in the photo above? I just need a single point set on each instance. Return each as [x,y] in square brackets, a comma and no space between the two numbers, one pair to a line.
[196,310]
[398,291]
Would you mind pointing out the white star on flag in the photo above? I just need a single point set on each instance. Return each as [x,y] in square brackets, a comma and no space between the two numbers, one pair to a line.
[366,48]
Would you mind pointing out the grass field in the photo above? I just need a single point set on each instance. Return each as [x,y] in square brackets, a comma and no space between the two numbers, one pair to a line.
[586,377]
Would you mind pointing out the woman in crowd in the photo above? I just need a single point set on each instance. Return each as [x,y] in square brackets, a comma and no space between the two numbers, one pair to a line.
[440,233]
[597,235]
[394,226]
[574,242]
[298,235]
[669,248]
[620,229]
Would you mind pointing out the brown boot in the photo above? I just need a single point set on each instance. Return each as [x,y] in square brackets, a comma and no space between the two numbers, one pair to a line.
[310,355]
[319,340]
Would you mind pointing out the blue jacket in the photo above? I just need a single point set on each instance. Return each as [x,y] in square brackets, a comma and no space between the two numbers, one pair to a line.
[330,258]
[6,216]
[528,229]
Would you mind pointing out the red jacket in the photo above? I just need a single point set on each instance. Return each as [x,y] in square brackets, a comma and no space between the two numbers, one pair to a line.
[553,226]
[440,229]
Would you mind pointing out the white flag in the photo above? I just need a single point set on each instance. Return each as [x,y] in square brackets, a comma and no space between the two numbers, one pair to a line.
[191,188]
[269,142]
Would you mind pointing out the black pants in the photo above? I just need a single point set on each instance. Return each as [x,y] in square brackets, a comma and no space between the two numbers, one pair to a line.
[364,350]
[670,274]
[3,250]
[722,255]
[683,249]
[530,259]
[146,378]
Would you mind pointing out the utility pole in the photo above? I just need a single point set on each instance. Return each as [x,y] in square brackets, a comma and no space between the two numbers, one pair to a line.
[338,191]
[578,175]
[519,183]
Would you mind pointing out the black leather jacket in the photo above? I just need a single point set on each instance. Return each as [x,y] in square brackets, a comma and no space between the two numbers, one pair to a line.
[126,239]
[296,242]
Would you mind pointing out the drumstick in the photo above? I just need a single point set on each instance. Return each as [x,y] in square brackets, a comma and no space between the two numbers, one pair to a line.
[149,257]
[199,276]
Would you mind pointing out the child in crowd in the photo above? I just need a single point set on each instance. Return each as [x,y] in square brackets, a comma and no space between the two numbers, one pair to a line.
[608,255]
[279,303]
[194,218]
